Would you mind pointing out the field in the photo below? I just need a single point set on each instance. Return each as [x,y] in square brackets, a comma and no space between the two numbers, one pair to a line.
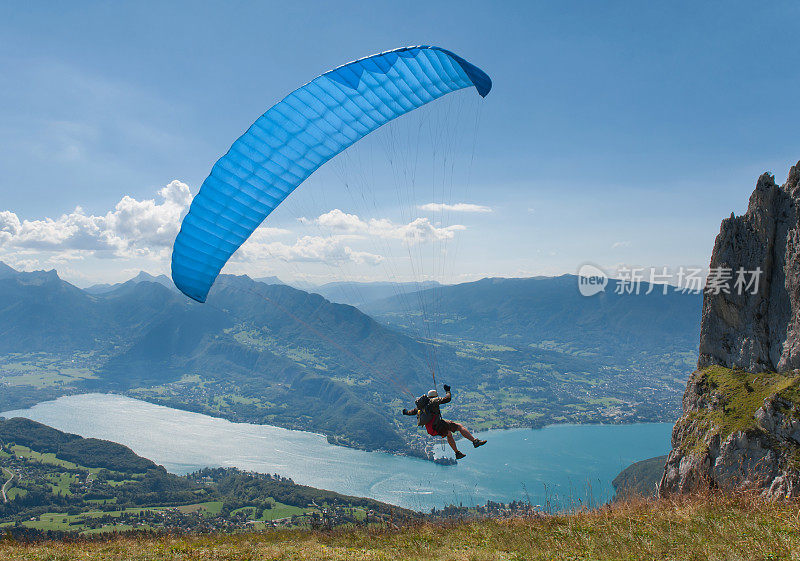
[41,370]
[695,528]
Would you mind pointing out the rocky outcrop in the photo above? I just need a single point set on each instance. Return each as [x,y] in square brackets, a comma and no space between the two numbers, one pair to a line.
[741,411]
[738,430]
[757,327]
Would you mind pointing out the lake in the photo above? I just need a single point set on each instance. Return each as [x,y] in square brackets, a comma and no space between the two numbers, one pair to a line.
[560,465]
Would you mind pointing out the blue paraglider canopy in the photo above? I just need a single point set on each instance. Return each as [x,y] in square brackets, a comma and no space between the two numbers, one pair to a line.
[295,137]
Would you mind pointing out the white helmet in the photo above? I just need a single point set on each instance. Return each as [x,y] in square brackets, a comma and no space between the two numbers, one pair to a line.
[432,394]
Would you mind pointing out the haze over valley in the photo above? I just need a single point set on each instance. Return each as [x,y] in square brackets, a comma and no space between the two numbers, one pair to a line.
[519,353]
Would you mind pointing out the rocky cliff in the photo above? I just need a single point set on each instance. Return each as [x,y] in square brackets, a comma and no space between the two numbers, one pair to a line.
[741,410]
[757,327]
[738,429]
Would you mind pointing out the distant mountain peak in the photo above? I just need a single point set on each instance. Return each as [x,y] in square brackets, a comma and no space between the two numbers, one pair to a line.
[143,276]
[6,271]
[269,280]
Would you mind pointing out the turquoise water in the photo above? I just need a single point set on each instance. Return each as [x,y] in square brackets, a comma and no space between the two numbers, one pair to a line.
[560,465]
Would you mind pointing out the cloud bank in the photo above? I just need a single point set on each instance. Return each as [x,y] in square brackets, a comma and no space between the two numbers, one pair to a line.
[457,207]
[419,230]
[139,232]
[132,228]
[338,232]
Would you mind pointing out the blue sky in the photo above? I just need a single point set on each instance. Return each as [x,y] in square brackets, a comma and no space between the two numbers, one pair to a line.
[615,132]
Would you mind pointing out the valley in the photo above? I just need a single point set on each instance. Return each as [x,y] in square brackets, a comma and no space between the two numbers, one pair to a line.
[518,353]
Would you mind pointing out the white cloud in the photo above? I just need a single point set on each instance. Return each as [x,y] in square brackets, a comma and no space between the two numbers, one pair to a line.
[338,220]
[133,228]
[265,233]
[418,230]
[23,263]
[341,229]
[319,249]
[363,257]
[617,245]
[140,234]
[457,207]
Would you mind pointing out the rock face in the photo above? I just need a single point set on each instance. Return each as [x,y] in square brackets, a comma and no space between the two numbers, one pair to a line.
[740,429]
[757,331]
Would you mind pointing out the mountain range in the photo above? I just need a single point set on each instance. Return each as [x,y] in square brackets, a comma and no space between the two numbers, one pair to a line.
[362,294]
[519,352]
[527,311]
[104,288]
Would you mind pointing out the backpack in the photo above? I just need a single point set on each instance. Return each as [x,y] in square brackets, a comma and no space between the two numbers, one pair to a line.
[424,414]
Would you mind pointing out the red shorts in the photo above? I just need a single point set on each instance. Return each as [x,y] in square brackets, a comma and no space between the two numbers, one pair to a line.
[439,427]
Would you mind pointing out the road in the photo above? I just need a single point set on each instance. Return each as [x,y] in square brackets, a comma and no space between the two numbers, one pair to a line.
[7,483]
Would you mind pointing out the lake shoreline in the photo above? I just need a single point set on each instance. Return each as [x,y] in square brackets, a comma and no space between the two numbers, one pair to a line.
[332,439]
[564,464]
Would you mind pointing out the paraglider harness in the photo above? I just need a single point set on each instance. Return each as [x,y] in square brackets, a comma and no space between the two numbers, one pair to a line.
[428,415]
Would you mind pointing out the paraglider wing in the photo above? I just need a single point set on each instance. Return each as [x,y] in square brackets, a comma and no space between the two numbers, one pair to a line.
[295,137]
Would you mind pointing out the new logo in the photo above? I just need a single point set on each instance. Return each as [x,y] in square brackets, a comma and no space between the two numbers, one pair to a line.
[591,280]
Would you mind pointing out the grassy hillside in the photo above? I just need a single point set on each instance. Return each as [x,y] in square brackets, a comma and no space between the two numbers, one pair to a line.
[90,452]
[58,482]
[698,528]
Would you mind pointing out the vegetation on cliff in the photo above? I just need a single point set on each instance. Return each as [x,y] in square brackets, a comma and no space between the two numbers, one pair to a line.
[738,430]
[732,398]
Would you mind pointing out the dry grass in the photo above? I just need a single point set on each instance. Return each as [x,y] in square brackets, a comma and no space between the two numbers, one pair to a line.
[707,527]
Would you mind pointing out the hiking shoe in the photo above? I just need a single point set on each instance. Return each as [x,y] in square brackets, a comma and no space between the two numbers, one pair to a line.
[460,455]
[478,442]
